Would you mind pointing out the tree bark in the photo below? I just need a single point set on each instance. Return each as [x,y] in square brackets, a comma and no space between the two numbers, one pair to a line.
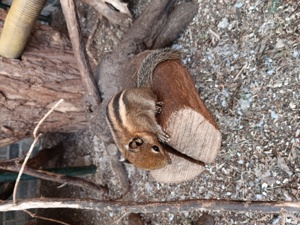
[31,85]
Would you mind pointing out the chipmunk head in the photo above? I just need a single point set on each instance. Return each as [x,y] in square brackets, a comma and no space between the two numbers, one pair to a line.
[146,152]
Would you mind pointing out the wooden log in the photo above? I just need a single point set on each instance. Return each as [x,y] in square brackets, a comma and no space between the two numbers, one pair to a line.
[31,85]
[185,118]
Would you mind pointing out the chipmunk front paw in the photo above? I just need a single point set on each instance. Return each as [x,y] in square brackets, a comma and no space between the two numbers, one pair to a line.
[163,137]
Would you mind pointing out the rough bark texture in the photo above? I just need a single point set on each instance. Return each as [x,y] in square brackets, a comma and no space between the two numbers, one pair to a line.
[29,87]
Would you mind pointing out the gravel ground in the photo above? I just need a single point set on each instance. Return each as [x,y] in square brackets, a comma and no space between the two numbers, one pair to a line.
[245,59]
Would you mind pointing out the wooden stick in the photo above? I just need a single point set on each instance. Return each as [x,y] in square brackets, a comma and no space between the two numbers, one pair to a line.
[36,138]
[23,167]
[153,207]
[75,181]
[44,218]
[93,94]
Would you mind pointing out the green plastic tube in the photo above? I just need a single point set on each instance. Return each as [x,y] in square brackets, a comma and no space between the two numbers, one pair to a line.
[18,25]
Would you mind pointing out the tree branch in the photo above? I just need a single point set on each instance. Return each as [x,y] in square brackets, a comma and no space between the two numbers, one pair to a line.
[93,96]
[153,207]
[75,181]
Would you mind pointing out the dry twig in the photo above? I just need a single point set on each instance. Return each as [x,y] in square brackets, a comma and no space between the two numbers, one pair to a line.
[90,41]
[154,207]
[59,178]
[93,95]
[44,218]
[239,73]
[120,218]
[32,146]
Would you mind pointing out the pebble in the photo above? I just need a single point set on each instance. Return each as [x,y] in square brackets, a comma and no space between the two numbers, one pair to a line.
[223,23]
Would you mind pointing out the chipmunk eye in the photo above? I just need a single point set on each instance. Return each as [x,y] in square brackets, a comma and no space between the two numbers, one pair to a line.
[155,149]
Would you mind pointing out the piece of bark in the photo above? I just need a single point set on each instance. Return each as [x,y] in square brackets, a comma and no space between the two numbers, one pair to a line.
[92,95]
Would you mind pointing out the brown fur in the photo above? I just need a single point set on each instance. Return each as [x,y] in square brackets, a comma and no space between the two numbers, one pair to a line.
[131,115]
[131,118]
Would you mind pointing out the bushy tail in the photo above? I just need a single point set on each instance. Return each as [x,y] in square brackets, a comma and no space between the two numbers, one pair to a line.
[151,61]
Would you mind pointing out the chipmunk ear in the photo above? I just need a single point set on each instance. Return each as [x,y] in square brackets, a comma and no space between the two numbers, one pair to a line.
[134,144]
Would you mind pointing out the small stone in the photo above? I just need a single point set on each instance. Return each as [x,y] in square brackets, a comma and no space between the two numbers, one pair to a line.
[274,115]
[279,44]
[295,54]
[238,4]
[223,23]
[292,105]
[112,149]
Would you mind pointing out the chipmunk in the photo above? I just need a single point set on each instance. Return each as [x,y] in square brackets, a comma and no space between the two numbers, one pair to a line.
[131,117]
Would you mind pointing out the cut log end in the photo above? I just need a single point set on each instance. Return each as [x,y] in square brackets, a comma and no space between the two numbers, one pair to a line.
[186,119]
[193,135]
[190,131]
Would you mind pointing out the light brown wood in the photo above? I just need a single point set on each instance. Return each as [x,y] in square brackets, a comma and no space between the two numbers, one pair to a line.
[187,120]
[92,97]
